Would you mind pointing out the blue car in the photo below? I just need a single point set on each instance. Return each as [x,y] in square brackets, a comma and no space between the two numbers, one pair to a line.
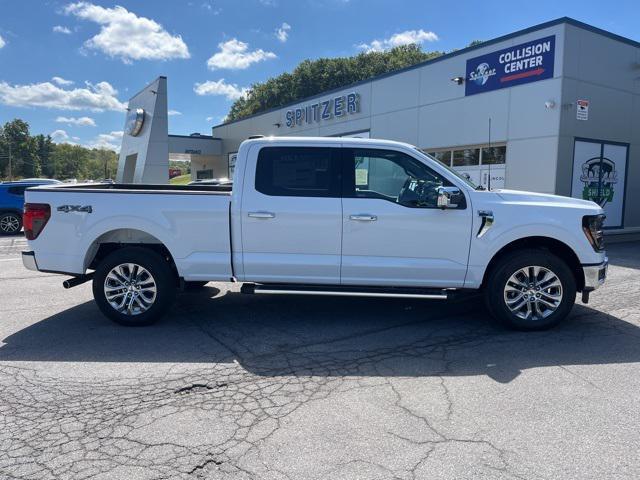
[12,203]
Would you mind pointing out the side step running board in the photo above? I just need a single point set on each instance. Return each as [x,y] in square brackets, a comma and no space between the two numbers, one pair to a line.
[346,291]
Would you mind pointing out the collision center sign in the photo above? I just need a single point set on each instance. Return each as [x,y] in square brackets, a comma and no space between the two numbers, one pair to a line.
[524,63]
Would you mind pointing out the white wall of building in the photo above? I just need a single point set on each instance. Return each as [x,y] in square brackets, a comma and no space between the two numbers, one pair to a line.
[606,72]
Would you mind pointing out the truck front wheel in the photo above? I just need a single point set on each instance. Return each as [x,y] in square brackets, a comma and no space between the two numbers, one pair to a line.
[134,286]
[530,290]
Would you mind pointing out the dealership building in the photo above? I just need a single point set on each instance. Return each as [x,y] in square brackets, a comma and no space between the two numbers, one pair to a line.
[554,108]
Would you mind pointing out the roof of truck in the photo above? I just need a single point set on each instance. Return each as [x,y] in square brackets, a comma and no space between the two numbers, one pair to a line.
[327,141]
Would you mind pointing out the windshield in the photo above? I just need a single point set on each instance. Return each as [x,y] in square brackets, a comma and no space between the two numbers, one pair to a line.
[459,175]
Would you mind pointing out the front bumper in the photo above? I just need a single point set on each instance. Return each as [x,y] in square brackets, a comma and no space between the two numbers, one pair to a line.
[595,275]
[29,261]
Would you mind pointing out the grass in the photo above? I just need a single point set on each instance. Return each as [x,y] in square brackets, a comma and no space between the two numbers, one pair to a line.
[181,180]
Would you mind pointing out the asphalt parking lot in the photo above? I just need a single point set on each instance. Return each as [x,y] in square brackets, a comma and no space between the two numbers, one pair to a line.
[243,387]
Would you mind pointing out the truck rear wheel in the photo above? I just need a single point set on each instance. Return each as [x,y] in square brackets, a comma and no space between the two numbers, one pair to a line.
[530,290]
[134,286]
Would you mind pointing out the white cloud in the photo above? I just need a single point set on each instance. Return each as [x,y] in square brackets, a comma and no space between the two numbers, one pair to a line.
[126,36]
[235,55]
[220,87]
[61,29]
[97,98]
[2,42]
[217,120]
[397,39]
[174,112]
[78,121]
[108,141]
[282,32]
[61,81]
[59,136]
[208,6]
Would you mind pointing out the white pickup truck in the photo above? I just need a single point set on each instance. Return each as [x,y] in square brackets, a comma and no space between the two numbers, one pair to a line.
[321,216]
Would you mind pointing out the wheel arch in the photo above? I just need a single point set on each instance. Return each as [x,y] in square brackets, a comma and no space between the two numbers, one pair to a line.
[549,244]
[119,238]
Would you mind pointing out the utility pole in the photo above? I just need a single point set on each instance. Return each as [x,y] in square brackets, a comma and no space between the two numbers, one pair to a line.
[10,172]
[8,157]
[489,149]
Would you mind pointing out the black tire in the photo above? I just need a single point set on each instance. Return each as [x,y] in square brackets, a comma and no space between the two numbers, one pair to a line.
[161,274]
[195,285]
[541,317]
[10,223]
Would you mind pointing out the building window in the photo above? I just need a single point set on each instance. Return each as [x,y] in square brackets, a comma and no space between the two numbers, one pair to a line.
[494,155]
[204,174]
[232,163]
[443,156]
[466,157]
[470,156]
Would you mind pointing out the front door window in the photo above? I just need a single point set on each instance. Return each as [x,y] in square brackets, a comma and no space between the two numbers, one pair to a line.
[395,177]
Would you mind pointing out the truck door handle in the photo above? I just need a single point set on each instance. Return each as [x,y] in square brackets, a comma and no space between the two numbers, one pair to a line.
[262,215]
[363,218]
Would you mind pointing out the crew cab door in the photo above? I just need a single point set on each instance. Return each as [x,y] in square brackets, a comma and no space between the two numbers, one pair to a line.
[292,215]
[393,232]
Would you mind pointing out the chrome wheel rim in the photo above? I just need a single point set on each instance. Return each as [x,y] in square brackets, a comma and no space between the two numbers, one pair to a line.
[533,293]
[130,289]
[9,224]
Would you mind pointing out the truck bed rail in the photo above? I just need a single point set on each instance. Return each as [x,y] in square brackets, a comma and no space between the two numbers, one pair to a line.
[139,188]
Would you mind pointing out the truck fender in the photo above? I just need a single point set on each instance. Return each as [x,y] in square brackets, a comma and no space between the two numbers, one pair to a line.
[128,230]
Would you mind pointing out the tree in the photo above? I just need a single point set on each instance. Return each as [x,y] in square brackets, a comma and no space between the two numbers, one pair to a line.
[101,164]
[70,161]
[38,155]
[311,77]
[16,138]
[44,150]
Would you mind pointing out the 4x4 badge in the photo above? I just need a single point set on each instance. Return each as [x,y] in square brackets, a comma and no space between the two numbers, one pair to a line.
[75,208]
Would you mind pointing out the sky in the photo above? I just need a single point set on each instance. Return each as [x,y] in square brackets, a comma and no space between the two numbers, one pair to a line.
[68,68]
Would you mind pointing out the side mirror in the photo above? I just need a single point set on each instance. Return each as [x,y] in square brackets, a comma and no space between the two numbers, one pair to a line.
[444,196]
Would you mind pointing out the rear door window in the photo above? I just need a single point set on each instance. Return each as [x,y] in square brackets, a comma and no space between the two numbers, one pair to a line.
[19,191]
[299,172]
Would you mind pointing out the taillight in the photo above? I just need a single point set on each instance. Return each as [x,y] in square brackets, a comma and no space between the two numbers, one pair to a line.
[36,216]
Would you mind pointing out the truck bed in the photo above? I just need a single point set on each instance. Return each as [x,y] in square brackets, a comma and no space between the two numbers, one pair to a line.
[192,221]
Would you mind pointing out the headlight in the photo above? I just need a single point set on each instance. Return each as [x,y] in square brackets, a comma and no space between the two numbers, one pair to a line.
[592,227]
